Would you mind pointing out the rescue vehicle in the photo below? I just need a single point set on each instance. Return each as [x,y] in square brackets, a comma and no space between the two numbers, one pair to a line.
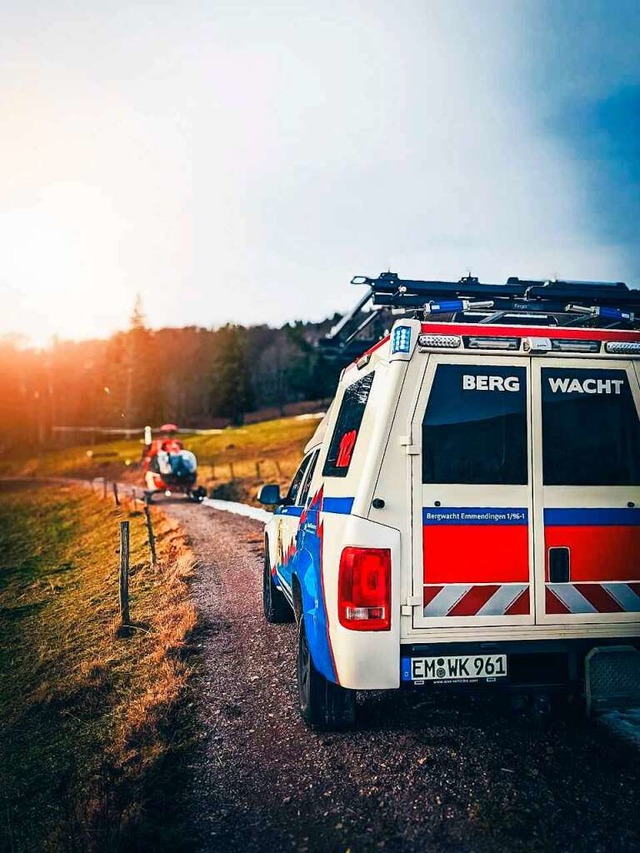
[468,511]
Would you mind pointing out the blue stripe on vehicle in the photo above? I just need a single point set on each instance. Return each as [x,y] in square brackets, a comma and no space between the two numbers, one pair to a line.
[464,515]
[341,506]
[295,511]
[593,517]
[307,567]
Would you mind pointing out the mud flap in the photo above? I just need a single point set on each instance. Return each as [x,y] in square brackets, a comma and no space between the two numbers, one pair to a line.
[612,679]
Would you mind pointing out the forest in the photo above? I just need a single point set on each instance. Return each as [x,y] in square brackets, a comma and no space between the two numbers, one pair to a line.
[195,377]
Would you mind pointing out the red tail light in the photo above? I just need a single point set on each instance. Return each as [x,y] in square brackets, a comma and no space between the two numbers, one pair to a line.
[364,589]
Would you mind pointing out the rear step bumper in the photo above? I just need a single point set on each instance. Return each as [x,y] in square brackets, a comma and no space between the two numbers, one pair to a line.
[547,665]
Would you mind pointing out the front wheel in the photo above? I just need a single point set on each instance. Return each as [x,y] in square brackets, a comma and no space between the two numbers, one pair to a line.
[197,495]
[274,604]
[323,704]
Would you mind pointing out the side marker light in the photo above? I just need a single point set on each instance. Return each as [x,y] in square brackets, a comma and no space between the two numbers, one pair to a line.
[622,347]
[440,341]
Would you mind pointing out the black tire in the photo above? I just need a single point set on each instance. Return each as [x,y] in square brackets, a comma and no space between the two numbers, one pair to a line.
[323,704]
[275,605]
[197,495]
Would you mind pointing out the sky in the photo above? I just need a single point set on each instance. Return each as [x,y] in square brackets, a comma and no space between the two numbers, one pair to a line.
[236,161]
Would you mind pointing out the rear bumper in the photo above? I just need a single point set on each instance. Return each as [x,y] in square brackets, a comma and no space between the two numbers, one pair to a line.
[549,665]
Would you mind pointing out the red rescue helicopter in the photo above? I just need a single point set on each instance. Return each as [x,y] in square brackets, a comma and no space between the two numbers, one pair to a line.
[169,468]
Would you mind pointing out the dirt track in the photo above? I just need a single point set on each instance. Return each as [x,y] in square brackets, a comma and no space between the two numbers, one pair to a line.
[419,774]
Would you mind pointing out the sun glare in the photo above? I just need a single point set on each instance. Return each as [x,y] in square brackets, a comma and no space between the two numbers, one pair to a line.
[59,270]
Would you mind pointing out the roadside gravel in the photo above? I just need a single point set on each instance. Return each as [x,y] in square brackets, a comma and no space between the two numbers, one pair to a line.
[420,773]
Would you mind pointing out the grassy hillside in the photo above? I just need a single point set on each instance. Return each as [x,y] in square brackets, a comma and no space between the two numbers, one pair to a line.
[84,710]
[233,461]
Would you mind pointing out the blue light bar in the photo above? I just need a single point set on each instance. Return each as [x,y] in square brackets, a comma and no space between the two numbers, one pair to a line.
[614,313]
[401,339]
[449,305]
[603,311]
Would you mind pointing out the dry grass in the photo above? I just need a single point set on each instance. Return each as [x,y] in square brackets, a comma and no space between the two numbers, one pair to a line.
[87,712]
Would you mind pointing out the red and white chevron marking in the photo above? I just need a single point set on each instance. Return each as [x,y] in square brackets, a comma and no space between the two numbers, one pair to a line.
[456,599]
[614,597]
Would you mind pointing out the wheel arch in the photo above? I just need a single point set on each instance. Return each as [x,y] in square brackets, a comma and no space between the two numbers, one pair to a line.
[310,605]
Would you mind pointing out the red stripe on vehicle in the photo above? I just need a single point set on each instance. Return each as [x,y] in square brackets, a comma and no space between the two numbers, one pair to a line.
[598,553]
[519,607]
[473,600]
[475,553]
[599,597]
[635,587]
[372,349]
[430,593]
[496,331]
[553,605]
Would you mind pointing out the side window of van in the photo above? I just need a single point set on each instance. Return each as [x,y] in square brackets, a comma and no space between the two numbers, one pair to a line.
[590,428]
[304,491]
[475,426]
[345,434]
[294,488]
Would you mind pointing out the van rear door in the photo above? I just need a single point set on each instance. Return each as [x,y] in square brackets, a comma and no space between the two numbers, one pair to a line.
[473,540]
[586,448]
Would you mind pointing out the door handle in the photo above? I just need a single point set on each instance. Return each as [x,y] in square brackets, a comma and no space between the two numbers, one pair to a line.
[559,565]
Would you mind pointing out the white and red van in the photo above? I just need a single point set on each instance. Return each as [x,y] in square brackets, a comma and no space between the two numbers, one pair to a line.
[468,511]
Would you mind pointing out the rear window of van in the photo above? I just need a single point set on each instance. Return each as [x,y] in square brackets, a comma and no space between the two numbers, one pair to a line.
[590,428]
[475,426]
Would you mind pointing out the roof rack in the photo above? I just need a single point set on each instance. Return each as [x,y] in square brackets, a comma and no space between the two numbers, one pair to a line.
[595,302]
[603,304]
[392,291]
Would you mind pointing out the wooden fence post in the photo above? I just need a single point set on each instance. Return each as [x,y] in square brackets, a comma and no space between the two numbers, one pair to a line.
[124,572]
[115,493]
[233,473]
[152,538]
[258,469]
[104,488]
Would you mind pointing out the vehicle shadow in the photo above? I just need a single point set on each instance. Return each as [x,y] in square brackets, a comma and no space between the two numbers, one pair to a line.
[415,711]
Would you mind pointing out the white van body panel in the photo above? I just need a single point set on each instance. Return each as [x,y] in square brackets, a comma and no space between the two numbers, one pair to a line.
[364,660]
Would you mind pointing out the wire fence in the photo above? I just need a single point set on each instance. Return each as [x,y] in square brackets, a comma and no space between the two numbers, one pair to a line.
[253,470]
[132,501]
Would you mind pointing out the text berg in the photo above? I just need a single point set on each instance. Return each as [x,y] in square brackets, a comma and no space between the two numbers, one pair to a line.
[587,386]
[490,383]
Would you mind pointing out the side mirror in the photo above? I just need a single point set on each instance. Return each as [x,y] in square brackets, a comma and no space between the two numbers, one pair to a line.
[270,495]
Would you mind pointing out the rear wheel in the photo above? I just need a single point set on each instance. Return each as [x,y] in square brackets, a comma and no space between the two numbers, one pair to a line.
[323,704]
[275,605]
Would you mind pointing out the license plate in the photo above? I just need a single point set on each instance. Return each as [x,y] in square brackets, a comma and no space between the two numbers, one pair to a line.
[458,668]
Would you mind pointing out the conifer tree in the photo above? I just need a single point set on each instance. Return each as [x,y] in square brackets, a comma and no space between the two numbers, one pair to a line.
[231,390]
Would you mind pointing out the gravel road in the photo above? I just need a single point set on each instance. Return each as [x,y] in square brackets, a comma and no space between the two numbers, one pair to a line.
[420,774]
